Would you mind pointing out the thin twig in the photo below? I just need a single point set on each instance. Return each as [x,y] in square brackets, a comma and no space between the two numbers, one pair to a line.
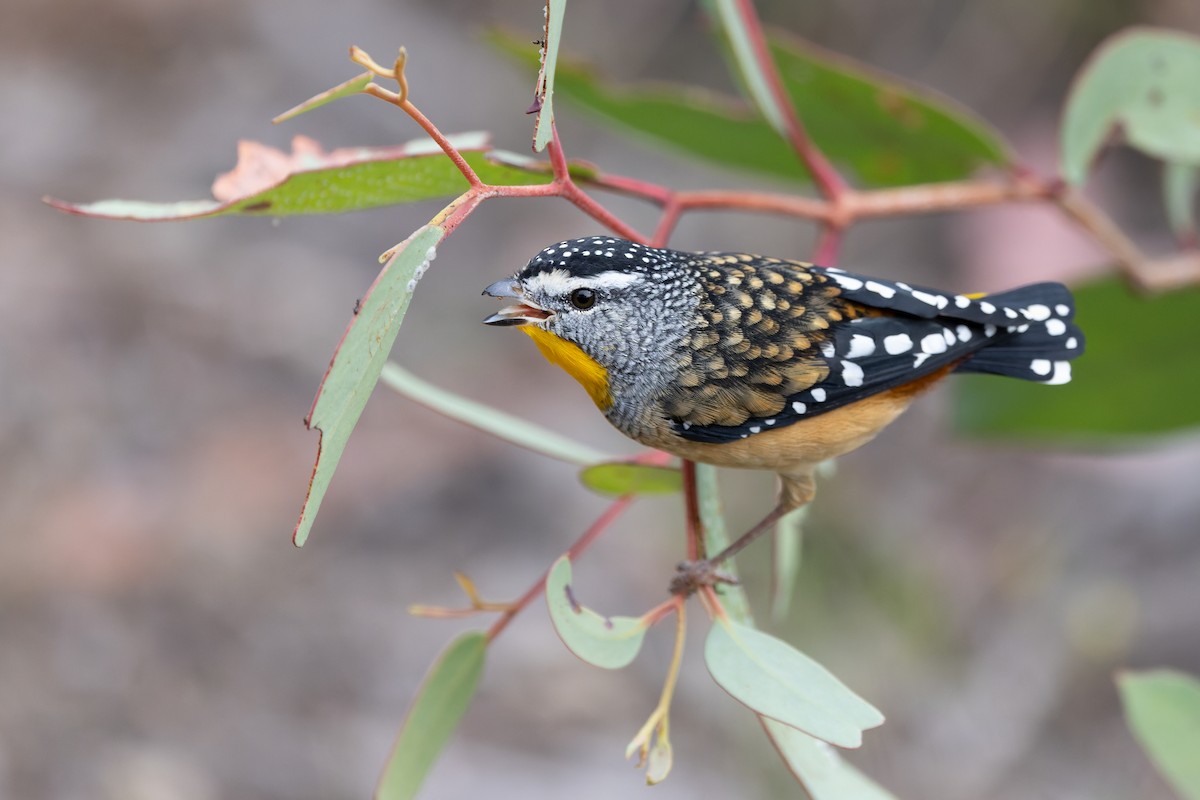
[582,543]
[826,177]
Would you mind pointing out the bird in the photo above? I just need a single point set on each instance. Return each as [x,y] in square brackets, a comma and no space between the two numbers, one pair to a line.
[749,361]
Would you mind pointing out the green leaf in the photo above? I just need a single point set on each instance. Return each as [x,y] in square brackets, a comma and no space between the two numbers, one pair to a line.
[309,180]
[623,477]
[742,51]
[520,432]
[716,539]
[1180,182]
[1142,80]
[1163,710]
[344,89]
[774,679]
[359,359]
[886,131]
[440,703]
[823,772]
[543,131]
[608,642]
[890,132]
[789,538]
[1138,377]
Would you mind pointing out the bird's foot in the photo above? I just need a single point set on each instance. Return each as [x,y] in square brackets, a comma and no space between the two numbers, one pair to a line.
[691,575]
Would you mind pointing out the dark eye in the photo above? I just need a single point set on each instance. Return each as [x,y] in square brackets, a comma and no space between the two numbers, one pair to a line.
[583,299]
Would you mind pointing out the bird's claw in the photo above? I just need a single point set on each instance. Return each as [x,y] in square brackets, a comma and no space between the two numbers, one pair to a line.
[691,575]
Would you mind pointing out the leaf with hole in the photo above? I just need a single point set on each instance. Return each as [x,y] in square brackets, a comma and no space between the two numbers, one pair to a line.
[1142,82]
[623,477]
[776,680]
[309,180]
[358,360]
[608,642]
[1139,376]
[443,698]
[1163,710]
[824,774]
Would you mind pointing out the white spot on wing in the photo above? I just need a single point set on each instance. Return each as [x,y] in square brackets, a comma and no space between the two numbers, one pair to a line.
[1041,366]
[818,394]
[1062,309]
[933,343]
[886,292]
[897,343]
[852,374]
[964,333]
[961,301]
[860,346]
[1056,327]
[987,308]
[920,359]
[846,282]
[799,407]
[926,297]
[1072,343]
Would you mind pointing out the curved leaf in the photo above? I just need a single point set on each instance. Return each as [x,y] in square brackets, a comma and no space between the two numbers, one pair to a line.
[888,132]
[520,432]
[309,180]
[778,681]
[1144,81]
[440,703]
[543,131]
[1163,710]
[608,642]
[1180,182]
[358,360]
[823,772]
[622,477]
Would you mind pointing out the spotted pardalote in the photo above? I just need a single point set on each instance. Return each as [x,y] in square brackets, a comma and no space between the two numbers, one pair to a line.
[749,361]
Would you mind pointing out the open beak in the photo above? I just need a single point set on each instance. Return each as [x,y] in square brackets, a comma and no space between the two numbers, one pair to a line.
[520,313]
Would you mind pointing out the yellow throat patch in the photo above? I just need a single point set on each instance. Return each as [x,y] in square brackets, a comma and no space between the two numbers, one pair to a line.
[578,364]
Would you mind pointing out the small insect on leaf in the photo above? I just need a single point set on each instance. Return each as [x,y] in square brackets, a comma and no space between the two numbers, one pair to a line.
[608,642]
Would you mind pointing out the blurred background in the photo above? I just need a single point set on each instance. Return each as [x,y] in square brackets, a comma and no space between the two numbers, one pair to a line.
[161,638]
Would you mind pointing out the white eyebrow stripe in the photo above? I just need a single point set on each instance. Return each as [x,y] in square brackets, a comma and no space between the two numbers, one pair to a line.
[560,282]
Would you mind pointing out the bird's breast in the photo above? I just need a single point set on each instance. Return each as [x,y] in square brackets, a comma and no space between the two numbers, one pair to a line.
[578,364]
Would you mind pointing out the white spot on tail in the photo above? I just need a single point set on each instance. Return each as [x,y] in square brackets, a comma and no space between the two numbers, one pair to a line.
[1037,312]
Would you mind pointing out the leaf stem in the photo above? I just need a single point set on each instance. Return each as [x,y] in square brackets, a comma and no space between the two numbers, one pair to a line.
[827,178]
[582,543]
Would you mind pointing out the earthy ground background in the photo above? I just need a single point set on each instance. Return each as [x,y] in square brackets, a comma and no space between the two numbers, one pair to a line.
[161,638]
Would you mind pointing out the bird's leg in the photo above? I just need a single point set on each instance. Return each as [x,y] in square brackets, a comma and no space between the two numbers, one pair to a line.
[795,490]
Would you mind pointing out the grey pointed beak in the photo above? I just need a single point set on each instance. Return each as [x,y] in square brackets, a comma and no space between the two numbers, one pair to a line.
[505,288]
[520,313]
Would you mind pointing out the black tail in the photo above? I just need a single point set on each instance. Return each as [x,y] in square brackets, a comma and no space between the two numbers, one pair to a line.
[1039,343]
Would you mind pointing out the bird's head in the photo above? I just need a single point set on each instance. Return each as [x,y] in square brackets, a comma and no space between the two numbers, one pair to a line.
[600,307]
